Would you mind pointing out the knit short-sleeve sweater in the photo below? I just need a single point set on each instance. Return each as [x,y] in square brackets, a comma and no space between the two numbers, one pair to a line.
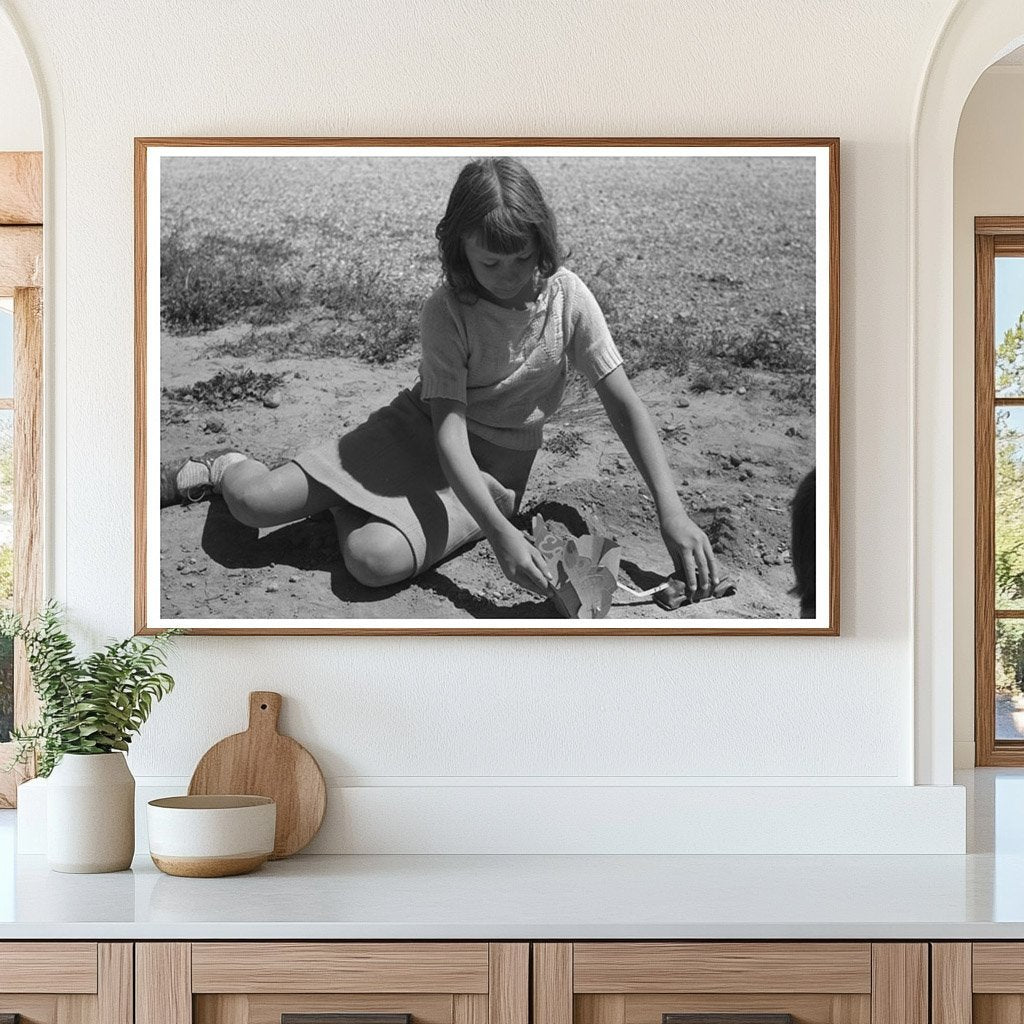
[509,366]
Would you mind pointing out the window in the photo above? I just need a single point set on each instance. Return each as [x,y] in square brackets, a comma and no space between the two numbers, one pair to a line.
[21,319]
[999,490]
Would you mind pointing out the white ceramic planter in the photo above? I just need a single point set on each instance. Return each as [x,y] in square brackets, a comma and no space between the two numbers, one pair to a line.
[90,814]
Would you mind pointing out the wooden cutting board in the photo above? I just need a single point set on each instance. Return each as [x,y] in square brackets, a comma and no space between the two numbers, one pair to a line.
[262,762]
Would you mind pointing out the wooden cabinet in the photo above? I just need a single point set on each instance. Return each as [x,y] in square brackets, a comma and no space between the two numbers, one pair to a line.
[66,982]
[759,982]
[305,982]
[512,983]
[978,982]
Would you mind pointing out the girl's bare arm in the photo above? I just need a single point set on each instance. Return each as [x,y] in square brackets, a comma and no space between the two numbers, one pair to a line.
[519,560]
[689,547]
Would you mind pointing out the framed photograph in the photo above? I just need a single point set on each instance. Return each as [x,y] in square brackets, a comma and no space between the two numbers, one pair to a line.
[487,386]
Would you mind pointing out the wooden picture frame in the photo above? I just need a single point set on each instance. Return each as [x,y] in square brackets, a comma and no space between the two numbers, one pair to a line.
[281,279]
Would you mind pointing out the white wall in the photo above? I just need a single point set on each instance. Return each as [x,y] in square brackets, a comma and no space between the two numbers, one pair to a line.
[21,127]
[431,715]
[987,182]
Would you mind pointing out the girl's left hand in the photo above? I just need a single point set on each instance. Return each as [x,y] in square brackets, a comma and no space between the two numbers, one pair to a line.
[692,555]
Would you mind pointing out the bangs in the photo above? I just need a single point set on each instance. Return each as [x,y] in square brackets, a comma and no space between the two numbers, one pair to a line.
[501,231]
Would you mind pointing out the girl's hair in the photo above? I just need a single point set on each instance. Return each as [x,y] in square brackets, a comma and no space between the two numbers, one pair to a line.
[499,200]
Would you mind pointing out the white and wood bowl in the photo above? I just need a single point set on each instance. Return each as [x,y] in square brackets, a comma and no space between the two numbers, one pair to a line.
[211,836]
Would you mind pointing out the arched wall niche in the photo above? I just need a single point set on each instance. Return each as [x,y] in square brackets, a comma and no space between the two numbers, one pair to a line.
[975,35]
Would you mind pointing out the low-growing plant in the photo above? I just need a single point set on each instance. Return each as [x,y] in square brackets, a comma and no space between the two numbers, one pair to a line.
[566,442]
[227,387]
[90,705]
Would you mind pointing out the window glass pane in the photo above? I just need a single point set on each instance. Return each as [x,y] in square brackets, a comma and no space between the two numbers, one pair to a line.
[1009,323]
[1009,508]
[6,353]
[6,571]
[1009,679]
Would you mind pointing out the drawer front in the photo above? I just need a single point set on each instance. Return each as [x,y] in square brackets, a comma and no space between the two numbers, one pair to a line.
[982,982]
[332,983]
[66,982]
[730,983]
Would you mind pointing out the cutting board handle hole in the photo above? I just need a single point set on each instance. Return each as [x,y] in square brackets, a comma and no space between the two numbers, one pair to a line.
[263,707]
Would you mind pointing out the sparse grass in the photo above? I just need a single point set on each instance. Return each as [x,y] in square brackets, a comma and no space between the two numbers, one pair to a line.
[216,279]
[715,264]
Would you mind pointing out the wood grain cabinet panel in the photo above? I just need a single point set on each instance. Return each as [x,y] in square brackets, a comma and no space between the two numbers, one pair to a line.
[340,967]
[986,986]
[721,967]
[66,982]
[259,982]
[64,967]
[808,982]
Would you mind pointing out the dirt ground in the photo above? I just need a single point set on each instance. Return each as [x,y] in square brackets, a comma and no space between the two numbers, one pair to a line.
[738,454]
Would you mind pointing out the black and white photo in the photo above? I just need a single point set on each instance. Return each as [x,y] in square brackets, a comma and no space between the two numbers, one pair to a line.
[420,386]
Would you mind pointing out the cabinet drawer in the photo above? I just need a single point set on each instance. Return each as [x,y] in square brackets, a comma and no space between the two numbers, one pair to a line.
[980,982]
[730,983]
[66,982]
[332,983]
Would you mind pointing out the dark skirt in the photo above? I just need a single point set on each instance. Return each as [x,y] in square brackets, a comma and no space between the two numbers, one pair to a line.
[388,466]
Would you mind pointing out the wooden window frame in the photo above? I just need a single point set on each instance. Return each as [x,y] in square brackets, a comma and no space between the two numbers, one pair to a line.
[21,278]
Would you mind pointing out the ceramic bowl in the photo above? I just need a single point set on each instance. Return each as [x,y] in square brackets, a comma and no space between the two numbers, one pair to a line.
[211,836]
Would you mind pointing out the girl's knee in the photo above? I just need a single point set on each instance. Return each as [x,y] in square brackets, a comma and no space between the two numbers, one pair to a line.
[377,555]
[263,499]
[248,503]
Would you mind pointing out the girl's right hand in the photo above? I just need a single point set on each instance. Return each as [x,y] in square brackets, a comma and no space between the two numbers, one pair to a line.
[522,563]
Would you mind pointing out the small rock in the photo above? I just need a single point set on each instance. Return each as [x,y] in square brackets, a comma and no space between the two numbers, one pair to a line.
[180,566]
[741,391]
[735,460]
[272,399]
[293,579]
[745,474]
[214,425]
[191,561]
[683,402]
[272,588]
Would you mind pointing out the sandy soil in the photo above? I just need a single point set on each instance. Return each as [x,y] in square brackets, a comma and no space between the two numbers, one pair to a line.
[738,456]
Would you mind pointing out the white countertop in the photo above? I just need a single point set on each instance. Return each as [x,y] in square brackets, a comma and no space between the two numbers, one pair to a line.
[976,896]
[517,897]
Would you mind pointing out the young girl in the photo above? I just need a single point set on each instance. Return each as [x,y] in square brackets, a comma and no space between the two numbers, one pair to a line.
[447,462]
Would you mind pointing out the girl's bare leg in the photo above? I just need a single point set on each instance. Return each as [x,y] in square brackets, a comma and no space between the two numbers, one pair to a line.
[376,554]
[258,496]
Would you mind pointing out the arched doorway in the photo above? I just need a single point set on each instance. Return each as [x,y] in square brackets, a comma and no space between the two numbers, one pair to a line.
[976,34]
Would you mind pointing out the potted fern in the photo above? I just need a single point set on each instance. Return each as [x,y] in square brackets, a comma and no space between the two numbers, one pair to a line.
[89,709]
